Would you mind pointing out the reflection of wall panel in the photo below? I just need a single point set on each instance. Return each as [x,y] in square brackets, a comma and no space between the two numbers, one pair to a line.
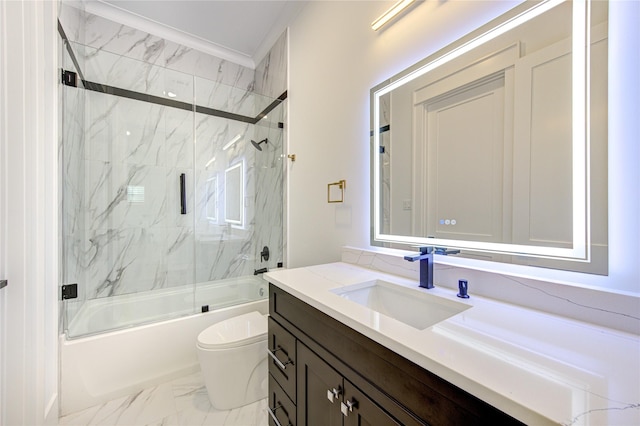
[542,150]
[548,207]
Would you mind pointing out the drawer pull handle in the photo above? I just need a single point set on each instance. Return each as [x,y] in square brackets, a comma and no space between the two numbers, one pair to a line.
[333,394]
[272,413]
[282,366]
[347,407]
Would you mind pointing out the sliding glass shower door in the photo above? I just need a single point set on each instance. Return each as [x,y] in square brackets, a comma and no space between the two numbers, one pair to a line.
[171,184]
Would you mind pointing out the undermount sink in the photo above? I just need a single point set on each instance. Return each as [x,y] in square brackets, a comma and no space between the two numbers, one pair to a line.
[413,307]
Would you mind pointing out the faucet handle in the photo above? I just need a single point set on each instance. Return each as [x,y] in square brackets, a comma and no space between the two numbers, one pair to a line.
[425,253]
[444,251]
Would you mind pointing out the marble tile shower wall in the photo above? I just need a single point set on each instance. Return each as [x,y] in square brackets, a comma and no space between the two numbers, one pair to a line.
[70,156]
[135,237]
[108,36]
[122,160]
[271,80]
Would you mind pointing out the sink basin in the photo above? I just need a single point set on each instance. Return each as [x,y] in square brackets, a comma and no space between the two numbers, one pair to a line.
[413,307]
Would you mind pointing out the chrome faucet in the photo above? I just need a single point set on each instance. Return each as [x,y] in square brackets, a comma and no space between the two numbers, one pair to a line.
[426,266]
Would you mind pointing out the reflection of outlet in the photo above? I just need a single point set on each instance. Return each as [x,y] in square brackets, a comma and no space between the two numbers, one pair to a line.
[406,205]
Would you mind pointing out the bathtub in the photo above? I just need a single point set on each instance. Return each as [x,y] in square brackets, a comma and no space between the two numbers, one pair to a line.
[144,348]
[130,310]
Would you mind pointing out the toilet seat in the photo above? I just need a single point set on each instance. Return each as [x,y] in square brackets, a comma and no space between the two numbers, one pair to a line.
[234,332]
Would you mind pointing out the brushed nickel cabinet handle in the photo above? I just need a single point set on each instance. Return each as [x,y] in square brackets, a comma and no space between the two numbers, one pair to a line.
[272,354]
[272,413]
[348,406]
[333,394]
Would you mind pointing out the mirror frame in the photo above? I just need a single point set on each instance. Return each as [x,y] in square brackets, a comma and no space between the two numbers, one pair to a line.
[520,14]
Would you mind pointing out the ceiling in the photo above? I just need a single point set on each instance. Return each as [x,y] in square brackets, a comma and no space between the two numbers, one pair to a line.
[245,28]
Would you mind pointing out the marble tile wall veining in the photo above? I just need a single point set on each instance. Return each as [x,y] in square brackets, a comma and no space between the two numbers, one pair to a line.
[126,44]
[122,160]
[269,194]
[271,80]
[271,72]
[603,308]
[181,402]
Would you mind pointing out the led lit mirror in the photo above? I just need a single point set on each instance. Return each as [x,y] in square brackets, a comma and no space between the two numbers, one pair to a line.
[234,195]
[497,145]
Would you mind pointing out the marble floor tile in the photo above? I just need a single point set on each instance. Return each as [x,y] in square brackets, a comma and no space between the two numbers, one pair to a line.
[181,402]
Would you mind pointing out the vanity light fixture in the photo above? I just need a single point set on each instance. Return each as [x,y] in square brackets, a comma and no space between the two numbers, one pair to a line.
[390,14]
[213,159]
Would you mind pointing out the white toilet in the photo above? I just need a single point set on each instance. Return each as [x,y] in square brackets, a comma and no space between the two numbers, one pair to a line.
[233,359]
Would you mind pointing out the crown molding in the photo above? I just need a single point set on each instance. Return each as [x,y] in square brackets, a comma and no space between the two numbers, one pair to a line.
[121,16]
[281,26]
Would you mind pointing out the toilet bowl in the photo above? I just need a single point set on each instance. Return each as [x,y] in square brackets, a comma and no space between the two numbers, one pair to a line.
[233,359]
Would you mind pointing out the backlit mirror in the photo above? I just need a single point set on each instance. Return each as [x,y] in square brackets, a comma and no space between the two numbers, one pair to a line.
[234,195]
[497,145]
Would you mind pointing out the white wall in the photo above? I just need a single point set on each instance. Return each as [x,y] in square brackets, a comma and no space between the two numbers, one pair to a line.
[28,171]
[335,58]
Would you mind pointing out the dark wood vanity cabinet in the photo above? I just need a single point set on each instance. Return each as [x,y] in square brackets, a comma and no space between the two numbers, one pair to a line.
[325,397]
[324,373]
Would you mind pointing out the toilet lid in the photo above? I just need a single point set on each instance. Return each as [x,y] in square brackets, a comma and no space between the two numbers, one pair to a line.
[237,331]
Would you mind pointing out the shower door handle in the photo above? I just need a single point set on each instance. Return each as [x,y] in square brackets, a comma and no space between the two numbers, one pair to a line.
[183,194]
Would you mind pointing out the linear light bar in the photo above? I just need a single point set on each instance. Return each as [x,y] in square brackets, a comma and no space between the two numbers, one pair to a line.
[390,14]
[231,142]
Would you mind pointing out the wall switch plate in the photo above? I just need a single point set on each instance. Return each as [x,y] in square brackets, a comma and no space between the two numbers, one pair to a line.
[406,205]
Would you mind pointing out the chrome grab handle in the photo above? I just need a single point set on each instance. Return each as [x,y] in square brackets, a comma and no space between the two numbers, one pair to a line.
[272,413]
[333,394]
[272,354]
[348,406]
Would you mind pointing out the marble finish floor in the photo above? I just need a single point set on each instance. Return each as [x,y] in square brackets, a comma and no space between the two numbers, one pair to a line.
[181,402]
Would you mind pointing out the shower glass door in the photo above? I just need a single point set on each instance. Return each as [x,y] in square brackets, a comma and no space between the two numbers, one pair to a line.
[127,218]
[239,193]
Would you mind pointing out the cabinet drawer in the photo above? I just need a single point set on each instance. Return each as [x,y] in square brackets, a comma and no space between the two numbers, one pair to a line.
[282,359]
[280,406]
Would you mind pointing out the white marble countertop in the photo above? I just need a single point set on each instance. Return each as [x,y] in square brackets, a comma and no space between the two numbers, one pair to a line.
[537,367]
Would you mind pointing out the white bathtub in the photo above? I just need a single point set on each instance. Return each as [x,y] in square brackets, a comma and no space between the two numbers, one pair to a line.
[130,310]
[101,367]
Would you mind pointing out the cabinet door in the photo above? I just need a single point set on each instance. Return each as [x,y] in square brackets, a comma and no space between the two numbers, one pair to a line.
[282,346]
[280,406]
[318,404]
[359,410]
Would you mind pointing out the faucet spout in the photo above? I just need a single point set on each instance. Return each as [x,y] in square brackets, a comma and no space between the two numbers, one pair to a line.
[426,266]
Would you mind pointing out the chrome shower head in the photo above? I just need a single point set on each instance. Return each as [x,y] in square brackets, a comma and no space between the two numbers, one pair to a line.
[257,144]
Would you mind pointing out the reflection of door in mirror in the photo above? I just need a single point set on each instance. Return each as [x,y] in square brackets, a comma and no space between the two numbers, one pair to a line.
[486,149]
[464,177]
[491,152]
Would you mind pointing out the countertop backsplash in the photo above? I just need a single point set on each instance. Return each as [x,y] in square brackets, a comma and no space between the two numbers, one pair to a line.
[598,307]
